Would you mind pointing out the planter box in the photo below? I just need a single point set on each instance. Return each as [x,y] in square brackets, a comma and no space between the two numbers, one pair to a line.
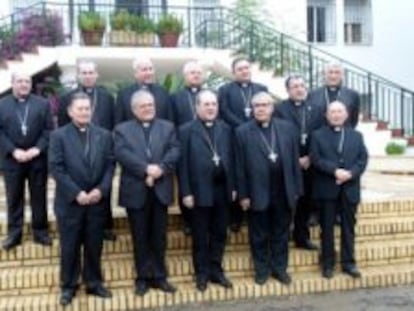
[122,38]
[92,37]
[145,39]
[169,40]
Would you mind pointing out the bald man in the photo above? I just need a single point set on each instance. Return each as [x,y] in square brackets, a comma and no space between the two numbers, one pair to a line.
[335,90]
[144,74]
[183,110]
[339,158]
[25,124]
[207,187]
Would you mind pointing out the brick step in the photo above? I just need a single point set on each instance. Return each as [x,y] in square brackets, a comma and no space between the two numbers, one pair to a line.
[367,210]
[366,230]
[46,277]
[244,288]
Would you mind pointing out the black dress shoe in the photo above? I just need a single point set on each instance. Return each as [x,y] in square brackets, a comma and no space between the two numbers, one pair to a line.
[10,243]
[352,271]
[99,291]
[43,240]
[201,284]
[221,280]
[283,277]
[141,288]
[66,297]
[165,286]
[327,273]
[308,245]
[109,235]
[260,279]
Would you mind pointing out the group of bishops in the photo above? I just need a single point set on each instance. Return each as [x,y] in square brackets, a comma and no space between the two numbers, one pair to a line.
[236,154]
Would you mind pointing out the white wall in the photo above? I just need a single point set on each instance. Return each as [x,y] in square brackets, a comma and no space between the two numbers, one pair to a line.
[392,52]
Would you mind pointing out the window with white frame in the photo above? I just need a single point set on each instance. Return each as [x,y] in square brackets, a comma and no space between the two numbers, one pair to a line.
[321,23]
[357,22]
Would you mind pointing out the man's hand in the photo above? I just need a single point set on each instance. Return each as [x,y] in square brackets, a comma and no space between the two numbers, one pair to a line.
[20,155]
[342,176]
[245,204]
[154,170]
[33,152]
[188,201]
[304,162]
[94,196]
[149,181]
[82,198]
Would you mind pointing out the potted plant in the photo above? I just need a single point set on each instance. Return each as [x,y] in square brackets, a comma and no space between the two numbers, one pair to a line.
[168,29]
[92,27]
[144,29]
[121,33]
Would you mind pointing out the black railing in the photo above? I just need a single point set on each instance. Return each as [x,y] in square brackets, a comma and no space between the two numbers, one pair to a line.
[222,28]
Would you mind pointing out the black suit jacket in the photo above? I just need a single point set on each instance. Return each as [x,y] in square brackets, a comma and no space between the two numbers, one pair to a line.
[326,159]
[232,103]
[196,170]
[39,123]
[104,113]
[182,107]
[252,169]
[73,171]
[123,110]
[314,120]
[131,154]
[346,95]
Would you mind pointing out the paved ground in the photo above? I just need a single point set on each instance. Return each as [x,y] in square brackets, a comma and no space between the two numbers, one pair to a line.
[388,299]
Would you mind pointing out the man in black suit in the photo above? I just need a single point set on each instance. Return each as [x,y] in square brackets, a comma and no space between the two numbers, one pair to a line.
[183,111]
[144,74]
[183,101]
[269,182]
[25,124]
[339,157]
[103,115]
[148,152]
[81,162]
[305,118]
[206,183]
[235,108]
[334,90]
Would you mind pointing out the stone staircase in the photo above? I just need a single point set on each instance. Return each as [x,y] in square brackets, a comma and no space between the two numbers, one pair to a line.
[29,274]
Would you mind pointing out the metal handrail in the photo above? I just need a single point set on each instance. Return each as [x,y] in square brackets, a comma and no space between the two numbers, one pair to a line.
[382,98]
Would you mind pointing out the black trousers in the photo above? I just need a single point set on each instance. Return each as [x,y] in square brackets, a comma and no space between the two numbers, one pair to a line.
[185,214]
[304,208]
[269,237]
[327,219]
[109,222]
[209,230]
[236,214]
[81,226]
[15,193]
[148,227]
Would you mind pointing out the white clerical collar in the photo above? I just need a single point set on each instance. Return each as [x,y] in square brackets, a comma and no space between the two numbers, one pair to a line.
[265,124]
[297,103]
[146,124]
[208,123]
[337,128]
[333,88]
[245,84]
[193,89]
